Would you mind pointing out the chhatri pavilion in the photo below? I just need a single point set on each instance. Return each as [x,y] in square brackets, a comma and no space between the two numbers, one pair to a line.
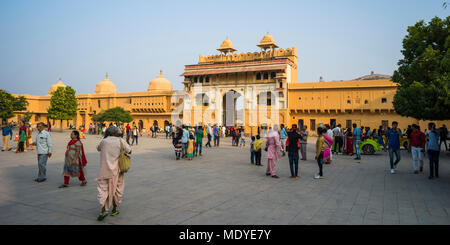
[253,90]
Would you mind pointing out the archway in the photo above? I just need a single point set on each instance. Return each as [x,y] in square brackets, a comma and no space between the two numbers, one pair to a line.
[232,109]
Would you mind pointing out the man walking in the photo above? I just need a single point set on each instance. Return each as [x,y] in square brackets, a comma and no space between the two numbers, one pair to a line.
[198,140]
[433,150]
[417,147]
[337,134]
[357,132]
[44,148]
[393,136]
[292,149]
[209,135]
[184,141]
[303,141]
[7,135]
[216,135]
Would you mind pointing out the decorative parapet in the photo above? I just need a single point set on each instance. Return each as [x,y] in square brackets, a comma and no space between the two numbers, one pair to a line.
[290,53]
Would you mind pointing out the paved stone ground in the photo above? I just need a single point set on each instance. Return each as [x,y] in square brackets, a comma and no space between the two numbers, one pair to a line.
[222,187]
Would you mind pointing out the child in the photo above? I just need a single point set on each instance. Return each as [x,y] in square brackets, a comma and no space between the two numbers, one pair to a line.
[22,138]
[257,148]
[190,150]
[252,151]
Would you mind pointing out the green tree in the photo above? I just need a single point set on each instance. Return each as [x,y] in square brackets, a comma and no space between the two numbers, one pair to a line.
[423,75]
[117,115]
[10,103]
[27,116]
[63,104]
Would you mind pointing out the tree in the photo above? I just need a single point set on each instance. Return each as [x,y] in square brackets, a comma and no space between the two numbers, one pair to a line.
[27,116]
[423,75]
[10,103]
[116,114]
[63,104]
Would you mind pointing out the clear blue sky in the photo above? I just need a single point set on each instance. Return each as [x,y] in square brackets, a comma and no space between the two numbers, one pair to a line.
[132,40]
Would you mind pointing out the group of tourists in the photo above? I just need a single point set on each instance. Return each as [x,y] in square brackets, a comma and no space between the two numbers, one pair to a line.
[110,180]
[334,141]
[23,137]
[188,141]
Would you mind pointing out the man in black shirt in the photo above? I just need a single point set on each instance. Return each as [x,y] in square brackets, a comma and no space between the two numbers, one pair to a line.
[292,149]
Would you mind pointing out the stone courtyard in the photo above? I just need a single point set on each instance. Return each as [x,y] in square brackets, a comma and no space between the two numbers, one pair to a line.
[222,187]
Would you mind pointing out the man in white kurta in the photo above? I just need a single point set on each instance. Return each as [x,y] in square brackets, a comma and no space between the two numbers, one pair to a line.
[110,182]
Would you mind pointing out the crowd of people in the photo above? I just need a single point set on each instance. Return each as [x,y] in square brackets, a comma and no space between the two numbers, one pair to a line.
[188,143]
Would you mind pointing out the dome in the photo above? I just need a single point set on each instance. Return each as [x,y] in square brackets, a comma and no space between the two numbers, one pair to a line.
[267,42]
[55,86]
[160,84]
[226,46]
[105,87]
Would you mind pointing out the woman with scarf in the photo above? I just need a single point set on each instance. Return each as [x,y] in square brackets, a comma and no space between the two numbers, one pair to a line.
[349,142]
[74,161]
[176,141]
[273,148]
[327,152]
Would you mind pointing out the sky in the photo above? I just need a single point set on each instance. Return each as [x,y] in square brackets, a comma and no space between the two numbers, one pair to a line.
[80,41]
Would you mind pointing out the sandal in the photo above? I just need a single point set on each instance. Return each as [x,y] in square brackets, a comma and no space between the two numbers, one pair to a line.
[63,186]
[83,183]
[115,213]
[102,215]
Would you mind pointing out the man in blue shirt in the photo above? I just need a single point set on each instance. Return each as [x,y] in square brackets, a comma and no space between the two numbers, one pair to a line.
[184,141]
[393,136]
[357,140]
[283,136]
[433,150]
[6,131]
[216,135]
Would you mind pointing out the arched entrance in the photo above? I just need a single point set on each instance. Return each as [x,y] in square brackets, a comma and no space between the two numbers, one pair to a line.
[232,109]
[141,125]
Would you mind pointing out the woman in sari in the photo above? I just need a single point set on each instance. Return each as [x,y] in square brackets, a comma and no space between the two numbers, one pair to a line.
[349,139]
[327,151]
[177,143]
[74,161]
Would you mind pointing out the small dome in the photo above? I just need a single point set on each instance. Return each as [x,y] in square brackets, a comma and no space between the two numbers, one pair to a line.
[267,42]
[160,84]
[55,86]
[226,46]
[105,87]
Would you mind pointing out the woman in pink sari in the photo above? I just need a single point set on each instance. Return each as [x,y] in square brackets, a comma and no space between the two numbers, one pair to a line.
[273,148]
[327,151]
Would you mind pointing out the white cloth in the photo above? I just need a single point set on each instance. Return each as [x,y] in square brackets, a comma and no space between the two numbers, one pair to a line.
[109,149]
[44,144]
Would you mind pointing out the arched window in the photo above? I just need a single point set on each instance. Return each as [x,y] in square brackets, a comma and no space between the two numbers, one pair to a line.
[207,79]
[272,75]
[266,75]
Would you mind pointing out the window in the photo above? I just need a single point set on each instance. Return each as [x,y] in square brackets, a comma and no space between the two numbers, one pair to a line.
[201,79]
[299,98]
[312,124]
[266,75]
[383,100]
[348,124]
[332,123]
[349,102]
[281,84]
[272,75]
[207,79]
[258,76]
[98,102]
[195,79]
[300,123]
[366,102]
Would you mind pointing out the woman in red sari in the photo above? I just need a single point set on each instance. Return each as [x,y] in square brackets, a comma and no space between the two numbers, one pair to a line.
[75,160]
[349,139]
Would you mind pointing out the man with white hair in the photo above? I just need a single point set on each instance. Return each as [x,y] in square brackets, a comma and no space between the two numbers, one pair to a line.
[110,181]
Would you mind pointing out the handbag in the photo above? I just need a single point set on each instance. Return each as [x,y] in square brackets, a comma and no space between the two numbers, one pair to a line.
[124,159]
